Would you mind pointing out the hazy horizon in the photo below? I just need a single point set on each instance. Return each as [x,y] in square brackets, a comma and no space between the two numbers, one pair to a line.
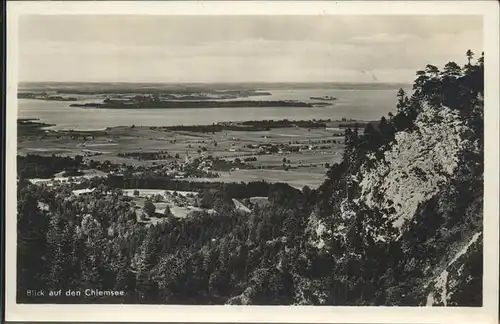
[218,82]
[240,49]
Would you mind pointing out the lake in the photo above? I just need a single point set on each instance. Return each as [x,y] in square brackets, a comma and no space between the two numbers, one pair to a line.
[357,104]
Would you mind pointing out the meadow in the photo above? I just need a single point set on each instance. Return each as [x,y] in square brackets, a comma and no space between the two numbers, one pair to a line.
[319,148]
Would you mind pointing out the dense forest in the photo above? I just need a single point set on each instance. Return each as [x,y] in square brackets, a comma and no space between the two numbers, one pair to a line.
[335,245]
[44,167]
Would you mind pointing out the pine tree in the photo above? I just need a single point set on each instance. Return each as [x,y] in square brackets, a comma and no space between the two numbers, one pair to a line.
[452,70]
[432,70]
[469,55]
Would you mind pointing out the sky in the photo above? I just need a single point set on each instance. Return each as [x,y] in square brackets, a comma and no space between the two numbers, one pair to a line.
[322,48]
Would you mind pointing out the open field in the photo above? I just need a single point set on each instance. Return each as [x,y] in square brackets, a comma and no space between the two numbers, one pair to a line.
[153,192]
[87,174]
[306,164]
[180,203]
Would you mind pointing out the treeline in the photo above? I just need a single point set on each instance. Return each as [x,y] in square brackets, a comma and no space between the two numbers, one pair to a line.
[233,190]
[253,126]
[459,88]
[285,123]
[216,128]
[44,167]
[158,155]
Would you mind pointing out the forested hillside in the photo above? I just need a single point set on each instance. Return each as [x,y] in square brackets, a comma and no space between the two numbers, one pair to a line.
[397,222]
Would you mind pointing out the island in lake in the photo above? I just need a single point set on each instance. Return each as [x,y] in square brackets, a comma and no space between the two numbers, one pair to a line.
[166,104]
[160,98]
[44,96]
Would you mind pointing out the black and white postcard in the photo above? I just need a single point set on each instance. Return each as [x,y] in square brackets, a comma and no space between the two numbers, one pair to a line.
[245,161]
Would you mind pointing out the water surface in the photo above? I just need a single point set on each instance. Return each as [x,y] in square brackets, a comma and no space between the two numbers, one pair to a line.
[351,103]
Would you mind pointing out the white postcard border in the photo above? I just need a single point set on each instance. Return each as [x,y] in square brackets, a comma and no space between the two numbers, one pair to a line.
[275,314]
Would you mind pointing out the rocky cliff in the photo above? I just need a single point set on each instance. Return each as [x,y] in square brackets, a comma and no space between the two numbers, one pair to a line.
[413,203]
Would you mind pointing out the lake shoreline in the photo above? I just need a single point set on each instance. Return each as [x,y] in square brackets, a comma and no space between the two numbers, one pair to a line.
[34,124]
[351,104]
